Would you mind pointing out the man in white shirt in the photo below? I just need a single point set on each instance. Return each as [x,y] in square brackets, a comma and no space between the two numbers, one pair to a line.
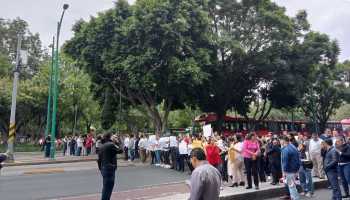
[126,147]
[79,145]
[173,150]
[315,156]
[143,148]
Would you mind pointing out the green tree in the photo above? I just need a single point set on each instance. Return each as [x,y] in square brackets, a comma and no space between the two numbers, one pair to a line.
[324,92]
[151,53]
[253,44]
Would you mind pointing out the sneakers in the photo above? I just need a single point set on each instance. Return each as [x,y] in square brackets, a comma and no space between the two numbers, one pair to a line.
[308,195]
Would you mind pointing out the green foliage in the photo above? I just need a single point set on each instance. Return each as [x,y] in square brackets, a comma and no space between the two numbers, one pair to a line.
[151,52]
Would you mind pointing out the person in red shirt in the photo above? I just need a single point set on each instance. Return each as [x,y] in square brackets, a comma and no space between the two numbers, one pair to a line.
[213,153]
[88,144]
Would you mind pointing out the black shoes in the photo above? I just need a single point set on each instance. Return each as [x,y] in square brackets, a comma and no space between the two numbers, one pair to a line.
[249,187]
[241,184]
[234,185]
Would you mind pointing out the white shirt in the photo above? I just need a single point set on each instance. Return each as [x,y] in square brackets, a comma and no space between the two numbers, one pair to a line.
[143,143]
[157,146]
[126,142]
[80,142]
[173,141]
[164,143]
[315,146]
[183,148]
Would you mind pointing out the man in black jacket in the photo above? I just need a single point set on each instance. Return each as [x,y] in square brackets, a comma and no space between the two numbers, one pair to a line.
[107,164]
[330,165]
[344,163]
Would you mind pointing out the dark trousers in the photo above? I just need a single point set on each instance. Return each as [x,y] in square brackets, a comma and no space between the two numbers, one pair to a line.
[224,173]
[108,183]
[165,157]
[173,152]
[276,172]
[344,170]
[47,150]
[88,151]
[182,158]
[189,164]
[126,153]
[251,167]
[153,157]
[332,176]
[261,168]
[72,150]
[79,151]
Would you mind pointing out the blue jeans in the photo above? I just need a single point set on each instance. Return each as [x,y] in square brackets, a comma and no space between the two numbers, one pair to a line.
[108,183]
[344,174]
[332,176]
[290,179]
[157,152]
[131,154]
[306,180]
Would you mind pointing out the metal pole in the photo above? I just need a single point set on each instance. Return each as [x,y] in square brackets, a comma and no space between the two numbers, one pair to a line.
[55,89]
[49,104]
[12,128]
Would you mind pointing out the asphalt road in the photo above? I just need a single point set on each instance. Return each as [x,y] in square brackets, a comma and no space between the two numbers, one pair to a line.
[50,186]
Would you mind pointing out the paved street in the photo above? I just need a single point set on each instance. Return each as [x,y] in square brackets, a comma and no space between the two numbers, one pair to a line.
[81,181]
[323,194]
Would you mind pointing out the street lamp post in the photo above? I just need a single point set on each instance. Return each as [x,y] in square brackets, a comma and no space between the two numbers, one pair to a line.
[55,87]
[49,104]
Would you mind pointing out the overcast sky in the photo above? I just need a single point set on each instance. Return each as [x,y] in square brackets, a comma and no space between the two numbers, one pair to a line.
[327,16]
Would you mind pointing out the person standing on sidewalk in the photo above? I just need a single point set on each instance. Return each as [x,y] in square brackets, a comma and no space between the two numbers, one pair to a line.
[315,156]
[274,158]
[290,166]
[205,179]
[251,149]
[142,148]
[330,165]
[107,164]
[343,150]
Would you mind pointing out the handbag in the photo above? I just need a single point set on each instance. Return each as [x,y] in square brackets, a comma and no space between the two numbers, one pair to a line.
[308,164]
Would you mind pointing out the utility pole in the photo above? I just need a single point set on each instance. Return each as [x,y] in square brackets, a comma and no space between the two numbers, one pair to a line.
[49,104]
[12,128]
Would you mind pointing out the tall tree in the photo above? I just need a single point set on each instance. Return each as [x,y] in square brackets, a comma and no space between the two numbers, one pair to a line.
[151,53]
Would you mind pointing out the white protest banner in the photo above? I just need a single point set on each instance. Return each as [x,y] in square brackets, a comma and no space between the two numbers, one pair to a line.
[207,131]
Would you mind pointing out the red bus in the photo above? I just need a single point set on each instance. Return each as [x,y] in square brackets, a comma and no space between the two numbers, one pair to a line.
[232,125]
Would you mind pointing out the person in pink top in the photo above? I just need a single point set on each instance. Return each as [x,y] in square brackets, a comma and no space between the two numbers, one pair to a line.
[251,150]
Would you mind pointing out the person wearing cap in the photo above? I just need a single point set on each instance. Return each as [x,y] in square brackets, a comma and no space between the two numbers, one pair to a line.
[330,165]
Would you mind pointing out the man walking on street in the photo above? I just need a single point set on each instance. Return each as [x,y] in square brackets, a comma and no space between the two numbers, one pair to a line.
[290,166]
[331,168]
[205,179]
[107,164]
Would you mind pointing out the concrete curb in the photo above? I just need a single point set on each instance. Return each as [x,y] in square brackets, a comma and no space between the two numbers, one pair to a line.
[48,162]
[268,193]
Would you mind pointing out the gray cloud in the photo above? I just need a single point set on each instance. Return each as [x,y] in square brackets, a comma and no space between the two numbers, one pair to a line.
[327,16]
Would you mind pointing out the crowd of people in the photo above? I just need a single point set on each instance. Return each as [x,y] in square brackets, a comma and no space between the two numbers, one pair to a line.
[243,160]
[247,160]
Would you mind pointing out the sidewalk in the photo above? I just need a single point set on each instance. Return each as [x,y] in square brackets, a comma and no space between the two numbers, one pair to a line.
[37,158]
[179,191]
